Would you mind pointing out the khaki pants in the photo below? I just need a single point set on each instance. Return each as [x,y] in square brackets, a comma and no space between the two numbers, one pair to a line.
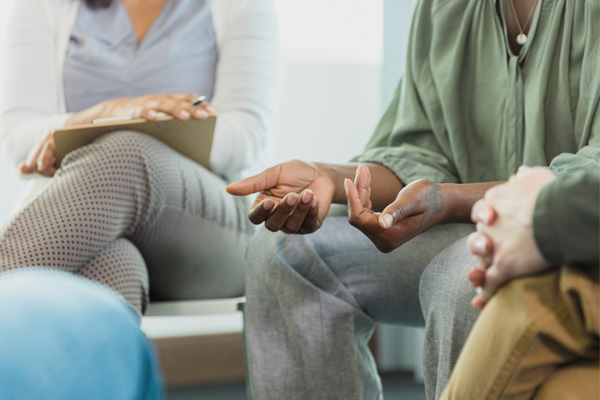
[537,338]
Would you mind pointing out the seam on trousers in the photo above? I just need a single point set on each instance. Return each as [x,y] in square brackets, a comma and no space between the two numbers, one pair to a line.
[557,311]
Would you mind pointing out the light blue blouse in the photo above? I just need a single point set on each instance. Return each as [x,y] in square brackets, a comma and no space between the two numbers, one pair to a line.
[104,61]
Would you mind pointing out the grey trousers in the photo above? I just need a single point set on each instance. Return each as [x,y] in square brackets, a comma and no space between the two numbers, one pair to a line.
[313,300]
[131,213]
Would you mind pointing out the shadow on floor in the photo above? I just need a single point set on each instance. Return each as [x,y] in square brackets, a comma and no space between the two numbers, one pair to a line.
[396,386]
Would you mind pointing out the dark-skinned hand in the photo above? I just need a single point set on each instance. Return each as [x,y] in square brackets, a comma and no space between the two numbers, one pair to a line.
[418,206]
[294,197]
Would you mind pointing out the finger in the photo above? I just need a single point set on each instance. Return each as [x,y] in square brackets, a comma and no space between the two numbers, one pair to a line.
[362,181]
[183,110]
[494,278]
[32,157]
[257,183]
[405,205]
[282,212]
[258,214]
[208,107]
[480,245]
[358,216]
[149,113]
[24,168]
[478,302]
[355,205]
[483,293]
[483,212]
[46,158]
[476,277]
[311,222]
[295,221]
[189,97]
[200,112]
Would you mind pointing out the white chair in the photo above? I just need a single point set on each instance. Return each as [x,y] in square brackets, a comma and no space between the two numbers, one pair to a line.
[198,341]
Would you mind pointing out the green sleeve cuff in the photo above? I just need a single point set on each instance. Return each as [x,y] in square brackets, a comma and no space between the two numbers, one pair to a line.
[544,227]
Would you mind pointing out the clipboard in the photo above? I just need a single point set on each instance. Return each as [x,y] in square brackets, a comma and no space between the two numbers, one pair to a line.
[192,138]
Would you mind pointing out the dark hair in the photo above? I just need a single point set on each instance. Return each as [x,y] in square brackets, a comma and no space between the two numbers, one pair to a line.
[98,3]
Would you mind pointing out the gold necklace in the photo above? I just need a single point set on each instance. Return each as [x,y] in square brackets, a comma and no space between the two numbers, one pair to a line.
[522,37]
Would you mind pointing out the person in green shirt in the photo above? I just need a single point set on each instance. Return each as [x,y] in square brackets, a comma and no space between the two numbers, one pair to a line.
[539,239]
[490,85]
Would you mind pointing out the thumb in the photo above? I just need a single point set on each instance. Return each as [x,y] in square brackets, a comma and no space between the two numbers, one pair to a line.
[401,208]
[24,168]
[257,183]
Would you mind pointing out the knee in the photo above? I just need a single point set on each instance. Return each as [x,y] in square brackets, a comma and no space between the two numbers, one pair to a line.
[123,150]
[48,310]
[261,253]
[273,255]
[444,287]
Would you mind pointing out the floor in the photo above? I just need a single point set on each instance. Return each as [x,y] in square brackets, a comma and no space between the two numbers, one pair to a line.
[396,386]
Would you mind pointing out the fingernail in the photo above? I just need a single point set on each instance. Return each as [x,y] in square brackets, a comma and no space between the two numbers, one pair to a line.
[307,196]
[200,113]
[346,180]
[152,114]
[386,221]
[268,204]
[479,291]
[480,244]
[292,199]
[483,216]
[184,114]
[40,164]
[314,202]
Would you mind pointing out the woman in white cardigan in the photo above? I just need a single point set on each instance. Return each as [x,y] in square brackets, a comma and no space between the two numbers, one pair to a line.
[127,209]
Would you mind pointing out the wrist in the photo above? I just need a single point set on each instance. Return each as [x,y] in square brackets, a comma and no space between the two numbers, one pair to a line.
[337,174]
[459,199]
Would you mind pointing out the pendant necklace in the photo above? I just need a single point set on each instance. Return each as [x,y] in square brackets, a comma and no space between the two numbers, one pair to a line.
[522,37]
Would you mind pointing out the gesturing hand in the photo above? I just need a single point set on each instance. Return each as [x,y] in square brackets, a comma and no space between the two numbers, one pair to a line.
[504,238]
[418,206]
[41,159]
[295,196]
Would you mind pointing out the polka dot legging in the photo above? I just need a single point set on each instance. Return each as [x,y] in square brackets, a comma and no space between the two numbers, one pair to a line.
[131,213]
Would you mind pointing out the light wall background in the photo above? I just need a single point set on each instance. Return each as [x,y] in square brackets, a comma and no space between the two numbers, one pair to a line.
[343,59]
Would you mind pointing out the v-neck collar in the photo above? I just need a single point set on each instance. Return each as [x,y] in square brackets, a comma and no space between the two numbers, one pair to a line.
[157,21]
[530,35]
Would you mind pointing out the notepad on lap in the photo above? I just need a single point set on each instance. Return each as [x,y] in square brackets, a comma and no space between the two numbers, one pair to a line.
[192,138]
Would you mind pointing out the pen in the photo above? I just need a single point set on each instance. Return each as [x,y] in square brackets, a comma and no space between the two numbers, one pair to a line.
[194,102]
[198,100]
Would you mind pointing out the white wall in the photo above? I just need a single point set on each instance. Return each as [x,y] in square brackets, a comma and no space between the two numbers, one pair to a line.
[9,180]
[332,89]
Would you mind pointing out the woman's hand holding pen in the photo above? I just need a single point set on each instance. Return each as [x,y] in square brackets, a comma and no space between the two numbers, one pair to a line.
[182,106]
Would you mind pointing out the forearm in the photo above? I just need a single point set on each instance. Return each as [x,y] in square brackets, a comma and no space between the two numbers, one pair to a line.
[459,199]
[385,185]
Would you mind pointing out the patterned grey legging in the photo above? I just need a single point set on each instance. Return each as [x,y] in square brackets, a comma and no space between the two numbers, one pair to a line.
[131,213]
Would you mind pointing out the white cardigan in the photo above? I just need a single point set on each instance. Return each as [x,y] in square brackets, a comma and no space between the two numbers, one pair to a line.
[248,76]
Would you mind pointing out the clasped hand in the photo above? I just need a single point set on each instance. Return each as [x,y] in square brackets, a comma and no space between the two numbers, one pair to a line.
[41,158]
[504,240]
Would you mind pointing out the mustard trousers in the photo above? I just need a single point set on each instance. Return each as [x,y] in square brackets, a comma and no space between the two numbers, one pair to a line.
[537,338]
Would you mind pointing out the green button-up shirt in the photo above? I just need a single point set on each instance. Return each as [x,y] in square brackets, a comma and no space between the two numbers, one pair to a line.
[469,110]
